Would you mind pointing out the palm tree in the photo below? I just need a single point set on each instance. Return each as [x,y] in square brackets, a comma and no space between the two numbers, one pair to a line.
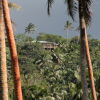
[30,28]
[3,69]
[67,27]
[13,51]
[84,19]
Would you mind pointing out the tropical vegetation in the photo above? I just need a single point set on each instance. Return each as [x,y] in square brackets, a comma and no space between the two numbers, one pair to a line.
[68,71]
[49,77]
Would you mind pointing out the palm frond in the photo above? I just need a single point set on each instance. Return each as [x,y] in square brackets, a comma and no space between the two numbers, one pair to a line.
[72,7]
[86,4]
[13,5]
[49,2]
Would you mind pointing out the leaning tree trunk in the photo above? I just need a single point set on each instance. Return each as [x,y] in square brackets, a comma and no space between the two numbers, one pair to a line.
[94,97]
[13,51]
[3,69]
[83,54]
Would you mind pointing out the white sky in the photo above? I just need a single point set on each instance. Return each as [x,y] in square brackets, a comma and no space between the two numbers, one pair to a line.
[35,11]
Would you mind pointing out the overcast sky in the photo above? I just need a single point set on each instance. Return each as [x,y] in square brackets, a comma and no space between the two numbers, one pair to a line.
[35,11]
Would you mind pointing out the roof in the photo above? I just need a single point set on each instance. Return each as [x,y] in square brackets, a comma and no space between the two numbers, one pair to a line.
[45,42]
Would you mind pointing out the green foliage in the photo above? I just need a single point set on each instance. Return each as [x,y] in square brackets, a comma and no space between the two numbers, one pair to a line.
[30,28]
[53,75]
[68,25]
[50,37]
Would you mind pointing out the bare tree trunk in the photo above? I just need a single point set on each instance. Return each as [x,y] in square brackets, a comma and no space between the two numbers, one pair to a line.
[3,69]
[13,51]
[85,45]
[83,53]
[83,65]
[94,97]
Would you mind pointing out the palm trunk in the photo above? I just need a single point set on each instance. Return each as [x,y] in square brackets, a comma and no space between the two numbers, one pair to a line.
[3,69]
[13,51]
[83,65]
[83,54]
[90,69]
[84,44]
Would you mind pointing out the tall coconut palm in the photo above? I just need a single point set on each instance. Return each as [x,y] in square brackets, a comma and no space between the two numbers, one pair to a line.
[13,51]
[30,28]
[84,19]
[67,27]
[3,69]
